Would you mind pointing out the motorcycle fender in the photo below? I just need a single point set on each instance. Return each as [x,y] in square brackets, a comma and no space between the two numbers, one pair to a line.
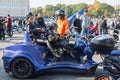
[35,60]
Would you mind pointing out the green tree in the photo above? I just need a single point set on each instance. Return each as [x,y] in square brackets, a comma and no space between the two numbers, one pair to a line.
[79,6]
[68,10]
[59,6]
[94,9]
[33,10]
[117,8]
[39,10]
[106,9]
[49,10]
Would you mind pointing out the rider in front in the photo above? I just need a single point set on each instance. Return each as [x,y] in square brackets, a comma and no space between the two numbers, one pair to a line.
[62,23]
[63,30]
[58,35]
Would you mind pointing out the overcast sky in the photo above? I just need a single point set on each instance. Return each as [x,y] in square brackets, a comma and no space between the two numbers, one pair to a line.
[43,3]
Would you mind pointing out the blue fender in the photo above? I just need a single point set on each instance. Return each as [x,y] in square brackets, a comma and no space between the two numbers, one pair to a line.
[71,18]
[38,64]
[30,52]
[88,52]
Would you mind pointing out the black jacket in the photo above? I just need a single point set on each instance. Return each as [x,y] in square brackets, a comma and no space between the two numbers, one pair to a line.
[1,24]
[32,26]
[104,24]
[77,25]
[41,22]
[117,27]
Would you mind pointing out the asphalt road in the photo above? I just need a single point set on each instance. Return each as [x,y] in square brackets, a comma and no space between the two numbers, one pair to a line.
[49,75]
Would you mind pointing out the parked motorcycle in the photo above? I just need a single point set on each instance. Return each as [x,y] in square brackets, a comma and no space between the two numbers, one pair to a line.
[19,29]
[116,35]
[111,64]
[105,46]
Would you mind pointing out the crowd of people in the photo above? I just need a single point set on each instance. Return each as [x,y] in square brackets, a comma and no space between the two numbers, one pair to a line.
[5,25]
[82,24]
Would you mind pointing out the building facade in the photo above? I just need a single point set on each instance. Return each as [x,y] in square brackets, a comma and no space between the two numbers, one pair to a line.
[16,8]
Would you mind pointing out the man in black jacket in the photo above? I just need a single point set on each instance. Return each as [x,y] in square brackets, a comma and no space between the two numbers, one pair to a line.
[102,25]
[40,21]
[2,34]
[77,24]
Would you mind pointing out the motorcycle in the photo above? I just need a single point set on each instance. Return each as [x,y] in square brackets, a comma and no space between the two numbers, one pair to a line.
[111,64]
[28,58]
[114,33]
[19,28]
[110,55]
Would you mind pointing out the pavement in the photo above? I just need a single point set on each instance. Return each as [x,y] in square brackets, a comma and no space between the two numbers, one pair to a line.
[49,75]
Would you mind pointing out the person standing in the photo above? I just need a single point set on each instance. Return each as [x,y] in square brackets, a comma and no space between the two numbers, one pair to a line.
[85,24]
[77,27]
[24,24]
[77,24]
[8,25]
[20,23]
[2,35]
[62,23]
[102,25]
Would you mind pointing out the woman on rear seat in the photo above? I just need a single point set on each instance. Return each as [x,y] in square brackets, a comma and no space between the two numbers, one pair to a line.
[33,28]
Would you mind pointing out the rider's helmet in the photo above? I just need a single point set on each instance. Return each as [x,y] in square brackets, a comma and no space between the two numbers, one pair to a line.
[52,25]
[60,12]
[29,15]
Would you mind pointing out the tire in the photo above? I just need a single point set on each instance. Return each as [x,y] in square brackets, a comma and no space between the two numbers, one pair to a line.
[93,69]
[104,77]
[22,68]
[11,34]
[20,30]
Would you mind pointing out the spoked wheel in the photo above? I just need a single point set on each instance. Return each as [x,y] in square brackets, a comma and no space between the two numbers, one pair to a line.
[104,77]
[22,68]
[20,30]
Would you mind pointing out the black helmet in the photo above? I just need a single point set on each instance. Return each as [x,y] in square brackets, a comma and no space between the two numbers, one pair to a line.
[52,25]
[60,12]
[29,15]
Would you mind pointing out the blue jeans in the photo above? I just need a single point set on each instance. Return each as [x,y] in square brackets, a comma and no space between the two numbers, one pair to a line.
[85,31]
[102,31]
[77,35]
